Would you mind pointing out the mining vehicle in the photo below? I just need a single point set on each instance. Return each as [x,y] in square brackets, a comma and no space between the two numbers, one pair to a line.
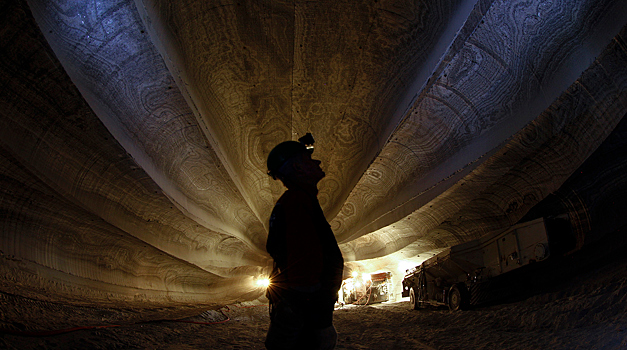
[367,288]
[457,277]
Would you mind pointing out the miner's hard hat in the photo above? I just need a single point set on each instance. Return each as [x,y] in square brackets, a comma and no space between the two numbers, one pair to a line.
[281,153]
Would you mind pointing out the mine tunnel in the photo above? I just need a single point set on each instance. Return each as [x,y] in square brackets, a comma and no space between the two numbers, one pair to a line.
[134,136]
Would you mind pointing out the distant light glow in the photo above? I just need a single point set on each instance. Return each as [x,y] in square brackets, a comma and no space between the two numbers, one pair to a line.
[350,285]
[366,277]
[263,282]
[355,274]
[404,265]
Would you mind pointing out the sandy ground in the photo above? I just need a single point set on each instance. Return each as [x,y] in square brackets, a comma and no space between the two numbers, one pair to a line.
[564,310]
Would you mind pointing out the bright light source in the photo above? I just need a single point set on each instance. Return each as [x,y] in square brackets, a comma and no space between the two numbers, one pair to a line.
[263,282]
[404,265]
[355,274]
[365,277]
[350,285]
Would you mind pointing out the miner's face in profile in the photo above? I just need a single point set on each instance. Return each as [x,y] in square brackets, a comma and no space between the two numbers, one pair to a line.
[307,170]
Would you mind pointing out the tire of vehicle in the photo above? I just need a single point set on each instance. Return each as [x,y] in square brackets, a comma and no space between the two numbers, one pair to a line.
[412,299]
[457,298]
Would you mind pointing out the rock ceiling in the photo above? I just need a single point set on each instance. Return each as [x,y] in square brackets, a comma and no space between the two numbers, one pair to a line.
[134,133]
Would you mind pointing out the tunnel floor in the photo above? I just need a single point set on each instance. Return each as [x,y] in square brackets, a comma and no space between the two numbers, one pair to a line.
[580,302]
[584,312]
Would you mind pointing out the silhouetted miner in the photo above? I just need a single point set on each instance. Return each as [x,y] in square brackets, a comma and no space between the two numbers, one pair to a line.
[308,264]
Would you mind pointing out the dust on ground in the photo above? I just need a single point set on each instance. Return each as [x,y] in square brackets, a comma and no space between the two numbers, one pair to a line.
[579,304]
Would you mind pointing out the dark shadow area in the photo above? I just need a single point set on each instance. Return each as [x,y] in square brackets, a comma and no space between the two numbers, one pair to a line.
[557,273]
[585,222]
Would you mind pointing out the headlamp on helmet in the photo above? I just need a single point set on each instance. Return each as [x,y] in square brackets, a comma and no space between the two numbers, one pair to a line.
[284,151]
